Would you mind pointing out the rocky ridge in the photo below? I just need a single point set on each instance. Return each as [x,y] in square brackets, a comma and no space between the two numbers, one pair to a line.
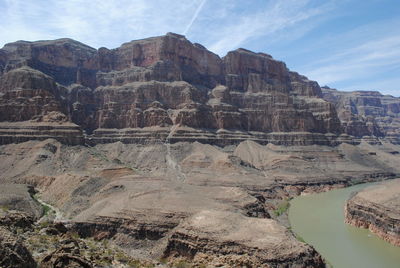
[166,82]
[366,113]
[29,241]
[227,237]
[377,208]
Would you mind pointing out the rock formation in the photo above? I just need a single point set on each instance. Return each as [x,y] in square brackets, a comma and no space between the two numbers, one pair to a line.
[227,236]
[139,195]
[165,133]
[13,252]
[158,83]
[377,208]
[19,197]
[367,113]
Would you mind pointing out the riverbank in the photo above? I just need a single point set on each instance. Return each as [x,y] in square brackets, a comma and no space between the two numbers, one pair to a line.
[319,220]
[377,208]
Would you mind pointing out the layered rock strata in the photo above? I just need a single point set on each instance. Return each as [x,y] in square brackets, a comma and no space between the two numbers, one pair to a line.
[228,238]
[17,132]
[137,195]
[32,106]
[377,208]
[367,113]
[162,82]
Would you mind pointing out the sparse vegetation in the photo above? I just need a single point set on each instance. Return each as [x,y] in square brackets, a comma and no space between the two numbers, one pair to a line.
[99,253]
[75,235]
[134,264]
[182,264]
[46,209]
[282,207]
[44,224]
[163,261]
[301,239]
[121,257]
[298,237]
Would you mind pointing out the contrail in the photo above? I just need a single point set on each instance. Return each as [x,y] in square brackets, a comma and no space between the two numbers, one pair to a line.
[194,17]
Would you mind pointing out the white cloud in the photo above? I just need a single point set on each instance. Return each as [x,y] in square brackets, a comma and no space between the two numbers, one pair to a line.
[221,26]
[267,22]
[96,22]
[373,55]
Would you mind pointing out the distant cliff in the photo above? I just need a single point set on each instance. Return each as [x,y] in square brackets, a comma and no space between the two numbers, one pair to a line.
[367,113]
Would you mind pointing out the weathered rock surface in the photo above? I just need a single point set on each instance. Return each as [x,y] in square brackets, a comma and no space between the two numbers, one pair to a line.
[19,197]
[136,194]
[13,252]
[16,132]
[33,106]
[222,238]
[16,219]
[367,113]
[161,82]
[66,256]
[377,208]
[154,112]
[50,244]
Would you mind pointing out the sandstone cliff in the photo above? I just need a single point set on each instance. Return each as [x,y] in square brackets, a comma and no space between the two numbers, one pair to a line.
[367,113]
[153,110]
[162,82]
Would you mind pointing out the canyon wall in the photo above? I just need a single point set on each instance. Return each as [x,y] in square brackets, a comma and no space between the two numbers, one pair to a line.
[367,113]
[143,88]
[167,88]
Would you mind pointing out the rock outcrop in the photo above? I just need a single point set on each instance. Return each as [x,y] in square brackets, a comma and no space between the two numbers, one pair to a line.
[224,239]
[34,106]
[137,195]
[19,197]
[13,252]
[377,208]
[66,255]
[367,113]
[175,133]
[158,82]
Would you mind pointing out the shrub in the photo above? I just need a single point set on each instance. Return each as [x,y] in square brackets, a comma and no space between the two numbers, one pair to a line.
[282,208]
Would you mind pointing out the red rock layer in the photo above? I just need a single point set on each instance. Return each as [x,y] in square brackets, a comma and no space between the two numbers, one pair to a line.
[159,82]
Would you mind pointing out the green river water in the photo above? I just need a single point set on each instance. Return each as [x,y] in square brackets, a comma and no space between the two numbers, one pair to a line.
[319,220]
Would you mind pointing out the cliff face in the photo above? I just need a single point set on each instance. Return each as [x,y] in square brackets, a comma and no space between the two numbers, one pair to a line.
[161,82]
[367,113]
[377,208]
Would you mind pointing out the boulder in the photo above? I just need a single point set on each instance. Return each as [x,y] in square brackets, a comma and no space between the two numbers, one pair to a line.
[13,252]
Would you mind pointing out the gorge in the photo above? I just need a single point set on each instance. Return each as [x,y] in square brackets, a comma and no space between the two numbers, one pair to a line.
[169,152]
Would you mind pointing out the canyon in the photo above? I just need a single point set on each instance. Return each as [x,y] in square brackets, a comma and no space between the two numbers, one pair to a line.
[170,152]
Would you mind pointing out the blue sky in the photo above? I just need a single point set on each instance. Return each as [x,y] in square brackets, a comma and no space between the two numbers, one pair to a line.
[345,44]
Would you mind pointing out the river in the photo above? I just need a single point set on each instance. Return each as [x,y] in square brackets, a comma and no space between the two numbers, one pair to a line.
[319,220]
